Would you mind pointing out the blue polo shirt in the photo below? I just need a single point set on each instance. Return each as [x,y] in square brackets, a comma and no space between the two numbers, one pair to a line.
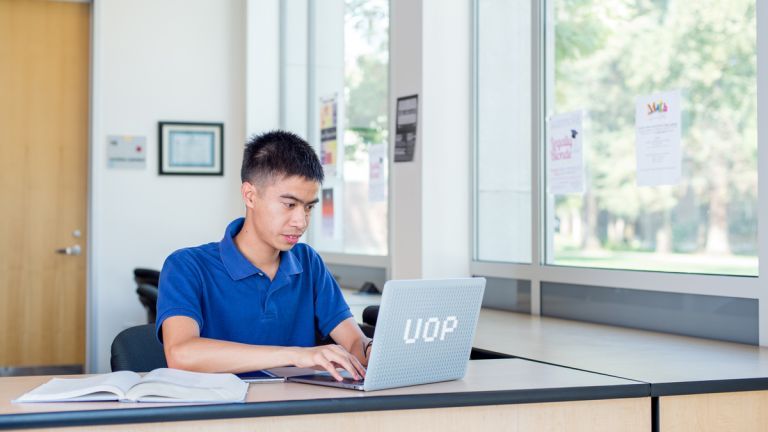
[232,300]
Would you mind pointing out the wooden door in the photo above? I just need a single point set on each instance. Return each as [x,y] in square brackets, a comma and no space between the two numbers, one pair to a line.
[44,97]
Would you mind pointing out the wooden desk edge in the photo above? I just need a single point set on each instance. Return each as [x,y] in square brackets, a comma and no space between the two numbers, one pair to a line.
[318,406]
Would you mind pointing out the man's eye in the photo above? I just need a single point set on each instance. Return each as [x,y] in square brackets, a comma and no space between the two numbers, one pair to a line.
[289,205]
[310,207]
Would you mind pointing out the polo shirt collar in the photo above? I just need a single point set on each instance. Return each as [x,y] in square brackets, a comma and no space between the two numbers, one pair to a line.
[238,265]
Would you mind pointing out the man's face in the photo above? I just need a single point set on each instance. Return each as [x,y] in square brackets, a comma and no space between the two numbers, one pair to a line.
[281,209]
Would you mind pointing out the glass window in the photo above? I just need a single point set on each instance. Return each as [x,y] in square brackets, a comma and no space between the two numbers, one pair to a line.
[366,95]
[503,131]
[348,107]
[606,54]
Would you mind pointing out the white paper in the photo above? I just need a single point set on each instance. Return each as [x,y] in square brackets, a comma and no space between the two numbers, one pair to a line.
[191,149]
[565,154]
[329,144]
[126,152]
[657,139]
[377,180]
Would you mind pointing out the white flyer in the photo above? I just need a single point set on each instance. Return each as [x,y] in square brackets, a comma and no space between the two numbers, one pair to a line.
[657,138]
[565,154]
[377,178]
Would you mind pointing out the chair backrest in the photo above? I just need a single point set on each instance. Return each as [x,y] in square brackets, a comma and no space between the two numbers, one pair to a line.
[147,281]
[148,297]
[146,276]
[371,315]
[137,349]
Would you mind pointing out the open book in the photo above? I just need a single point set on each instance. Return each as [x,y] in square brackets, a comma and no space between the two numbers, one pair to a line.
[160,385]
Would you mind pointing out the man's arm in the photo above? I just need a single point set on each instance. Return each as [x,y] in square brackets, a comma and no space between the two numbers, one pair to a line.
[348,335]
[185,349]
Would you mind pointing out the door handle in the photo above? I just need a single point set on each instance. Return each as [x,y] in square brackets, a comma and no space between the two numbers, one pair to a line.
[71,250]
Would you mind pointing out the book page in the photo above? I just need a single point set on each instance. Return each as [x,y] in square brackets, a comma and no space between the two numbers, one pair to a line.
[184,386]
[104,387]
[190,379]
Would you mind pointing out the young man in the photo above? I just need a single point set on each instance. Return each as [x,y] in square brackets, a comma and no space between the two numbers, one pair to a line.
[256,299]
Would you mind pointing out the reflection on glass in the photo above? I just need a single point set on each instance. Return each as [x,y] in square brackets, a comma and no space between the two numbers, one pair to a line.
[366,77]
[503,131]
[608,52]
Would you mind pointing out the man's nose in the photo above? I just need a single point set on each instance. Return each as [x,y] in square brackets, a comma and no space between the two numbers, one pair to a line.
[300,219]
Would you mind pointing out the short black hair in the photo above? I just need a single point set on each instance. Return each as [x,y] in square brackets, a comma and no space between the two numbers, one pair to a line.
[278,153]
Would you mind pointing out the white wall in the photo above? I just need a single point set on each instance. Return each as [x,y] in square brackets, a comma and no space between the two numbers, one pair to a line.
[263,66]
[158,60]
[430,197]
[405,79]
[446,116]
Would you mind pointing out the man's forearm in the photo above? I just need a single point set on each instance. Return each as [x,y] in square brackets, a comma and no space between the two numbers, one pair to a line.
[211,355]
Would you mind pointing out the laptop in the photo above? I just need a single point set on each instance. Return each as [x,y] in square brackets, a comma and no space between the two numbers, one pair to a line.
[424,334]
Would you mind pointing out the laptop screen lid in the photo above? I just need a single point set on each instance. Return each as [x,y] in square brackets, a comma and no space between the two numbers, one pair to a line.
[424,331]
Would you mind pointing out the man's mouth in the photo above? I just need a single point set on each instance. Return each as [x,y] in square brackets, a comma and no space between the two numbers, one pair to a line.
[292,238]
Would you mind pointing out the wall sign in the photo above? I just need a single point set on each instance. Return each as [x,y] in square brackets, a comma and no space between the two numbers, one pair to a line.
[405,128]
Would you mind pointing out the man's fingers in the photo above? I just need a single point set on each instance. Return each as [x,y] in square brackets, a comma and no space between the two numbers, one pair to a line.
[343,361]
[327,365]
[359,368]
[356,364]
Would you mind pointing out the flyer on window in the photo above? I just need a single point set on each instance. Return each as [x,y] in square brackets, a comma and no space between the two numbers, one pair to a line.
[328,221]
[328,134]
[377,178]
[565,154]
[657,138]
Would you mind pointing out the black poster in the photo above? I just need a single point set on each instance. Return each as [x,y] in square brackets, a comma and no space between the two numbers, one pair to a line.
[405,128]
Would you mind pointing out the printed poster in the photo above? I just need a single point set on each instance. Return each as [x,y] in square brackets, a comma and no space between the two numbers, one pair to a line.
[657,139]
[328,134]
[405,128]
[377,179]
[565,154]
[327,213]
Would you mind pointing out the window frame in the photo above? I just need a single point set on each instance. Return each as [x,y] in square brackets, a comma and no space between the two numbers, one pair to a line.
[341,258]
[539,272]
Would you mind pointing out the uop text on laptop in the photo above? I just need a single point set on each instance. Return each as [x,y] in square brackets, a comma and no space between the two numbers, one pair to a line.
[424,334]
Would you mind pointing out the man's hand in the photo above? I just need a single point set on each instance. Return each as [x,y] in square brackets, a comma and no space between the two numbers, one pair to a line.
[329,357]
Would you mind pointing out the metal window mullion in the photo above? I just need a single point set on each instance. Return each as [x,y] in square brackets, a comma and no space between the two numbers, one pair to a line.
[475,154]
[761,22]
[717,285]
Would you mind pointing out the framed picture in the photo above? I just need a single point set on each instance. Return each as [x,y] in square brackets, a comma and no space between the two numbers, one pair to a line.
[191,148]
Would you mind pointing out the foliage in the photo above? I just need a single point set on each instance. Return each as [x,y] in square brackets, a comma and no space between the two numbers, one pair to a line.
[608,52]
[366,74]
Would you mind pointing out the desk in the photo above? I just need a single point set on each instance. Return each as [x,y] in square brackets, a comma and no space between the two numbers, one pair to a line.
[509,394]
[698,384]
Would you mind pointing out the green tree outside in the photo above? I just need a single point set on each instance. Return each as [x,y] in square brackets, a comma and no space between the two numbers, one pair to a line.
[609,52]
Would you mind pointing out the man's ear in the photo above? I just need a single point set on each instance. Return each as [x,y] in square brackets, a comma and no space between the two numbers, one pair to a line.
[248,192]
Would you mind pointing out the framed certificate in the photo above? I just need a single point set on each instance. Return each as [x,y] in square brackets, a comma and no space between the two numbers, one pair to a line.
[191,148]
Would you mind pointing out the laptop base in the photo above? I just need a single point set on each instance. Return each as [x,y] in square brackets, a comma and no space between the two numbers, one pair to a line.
[327,380]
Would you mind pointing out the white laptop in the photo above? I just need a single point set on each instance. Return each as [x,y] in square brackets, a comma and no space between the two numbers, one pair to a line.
[424,334]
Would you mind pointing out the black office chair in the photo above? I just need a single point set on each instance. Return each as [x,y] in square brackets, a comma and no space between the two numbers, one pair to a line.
[148,298]
[370,315]
[147,281]
[146,276]
[137,349]
[368,326]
